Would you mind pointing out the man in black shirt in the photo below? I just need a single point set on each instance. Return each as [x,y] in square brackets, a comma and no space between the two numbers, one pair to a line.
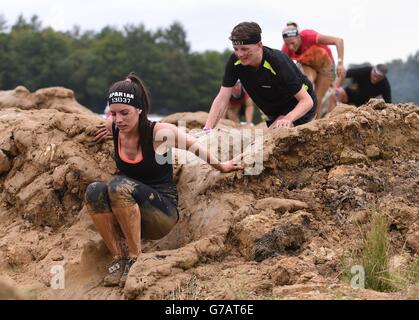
[271,79]
[368,82]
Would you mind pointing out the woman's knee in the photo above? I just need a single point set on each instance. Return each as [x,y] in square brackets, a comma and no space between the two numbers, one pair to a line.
[120,191]
[96,197]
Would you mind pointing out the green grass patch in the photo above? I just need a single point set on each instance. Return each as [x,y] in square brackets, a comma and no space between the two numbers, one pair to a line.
[374,257]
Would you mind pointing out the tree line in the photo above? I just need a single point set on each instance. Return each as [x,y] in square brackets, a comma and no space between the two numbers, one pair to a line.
[89,61]
[404,79]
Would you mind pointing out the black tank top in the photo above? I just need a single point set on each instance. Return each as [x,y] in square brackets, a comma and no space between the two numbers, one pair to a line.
[148,170]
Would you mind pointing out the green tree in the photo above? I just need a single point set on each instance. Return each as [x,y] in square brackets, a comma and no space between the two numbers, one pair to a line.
[35,24]
[36,57]
[88,62]
[174,38]
[404,77]
[208,69]
[3,23]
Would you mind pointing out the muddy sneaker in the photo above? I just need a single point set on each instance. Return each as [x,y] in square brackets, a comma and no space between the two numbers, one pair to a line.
[115,271]
[128,265]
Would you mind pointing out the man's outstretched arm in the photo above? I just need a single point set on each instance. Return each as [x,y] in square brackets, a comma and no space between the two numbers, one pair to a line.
[218,107]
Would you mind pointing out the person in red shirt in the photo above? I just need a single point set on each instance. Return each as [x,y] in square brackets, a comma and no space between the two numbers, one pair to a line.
[239,97]
[311,50]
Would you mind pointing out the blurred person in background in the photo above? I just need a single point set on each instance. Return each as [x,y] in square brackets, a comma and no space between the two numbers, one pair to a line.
[310,49]
[367,82]
[240,98]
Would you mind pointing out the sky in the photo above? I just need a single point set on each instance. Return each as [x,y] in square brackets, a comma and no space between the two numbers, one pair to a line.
[374,31]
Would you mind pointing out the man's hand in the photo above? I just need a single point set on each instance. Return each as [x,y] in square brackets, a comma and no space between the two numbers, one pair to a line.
[207,130]
[228,166]
[340,70]
[281,122]
[102,134]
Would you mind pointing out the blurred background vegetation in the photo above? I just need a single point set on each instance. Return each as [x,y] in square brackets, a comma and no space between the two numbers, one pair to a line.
[88,62]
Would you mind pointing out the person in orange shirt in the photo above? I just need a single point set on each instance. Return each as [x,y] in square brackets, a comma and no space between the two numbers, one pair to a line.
[311,50]
[142,200]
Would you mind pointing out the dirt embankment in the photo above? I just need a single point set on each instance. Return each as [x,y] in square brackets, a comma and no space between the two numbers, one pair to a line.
[57,98]
[279,234]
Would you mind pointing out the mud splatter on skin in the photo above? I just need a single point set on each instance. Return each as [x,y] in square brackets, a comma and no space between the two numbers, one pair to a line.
[120,192]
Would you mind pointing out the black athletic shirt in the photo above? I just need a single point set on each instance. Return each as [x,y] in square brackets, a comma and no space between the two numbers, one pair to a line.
[273,86]
[148,170]
[365,88]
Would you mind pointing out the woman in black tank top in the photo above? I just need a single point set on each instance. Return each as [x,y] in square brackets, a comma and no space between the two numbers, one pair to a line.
[140,202]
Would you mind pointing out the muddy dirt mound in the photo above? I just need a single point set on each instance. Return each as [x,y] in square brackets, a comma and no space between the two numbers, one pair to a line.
[8,292]
[47,159]
[58,98]
[197,120]
[281,233]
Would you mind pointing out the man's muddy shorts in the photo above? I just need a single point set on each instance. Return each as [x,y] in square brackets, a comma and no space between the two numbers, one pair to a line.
[317,58]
